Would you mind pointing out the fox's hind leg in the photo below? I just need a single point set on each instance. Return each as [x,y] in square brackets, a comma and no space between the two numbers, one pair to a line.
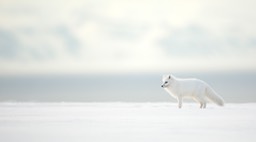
[202,104]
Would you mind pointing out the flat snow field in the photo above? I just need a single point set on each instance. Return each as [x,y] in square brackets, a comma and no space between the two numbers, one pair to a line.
[126,122]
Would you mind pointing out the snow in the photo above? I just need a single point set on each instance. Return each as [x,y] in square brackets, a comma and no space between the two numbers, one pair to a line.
[126,122]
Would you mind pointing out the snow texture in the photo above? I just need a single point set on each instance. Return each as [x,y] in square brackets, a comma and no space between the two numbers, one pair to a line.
[126,122]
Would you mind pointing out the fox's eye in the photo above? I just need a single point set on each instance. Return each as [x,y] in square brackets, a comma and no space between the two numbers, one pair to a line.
[166,82]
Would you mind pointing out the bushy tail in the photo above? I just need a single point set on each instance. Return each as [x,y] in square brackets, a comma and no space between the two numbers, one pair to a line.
[214,97]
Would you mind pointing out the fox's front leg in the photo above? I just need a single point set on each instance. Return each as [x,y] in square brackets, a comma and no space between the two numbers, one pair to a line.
[179,101]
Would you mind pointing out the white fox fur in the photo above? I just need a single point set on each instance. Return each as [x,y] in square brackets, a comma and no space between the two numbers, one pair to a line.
[196,89]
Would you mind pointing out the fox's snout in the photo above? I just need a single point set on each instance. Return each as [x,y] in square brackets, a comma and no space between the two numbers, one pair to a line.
[162,86]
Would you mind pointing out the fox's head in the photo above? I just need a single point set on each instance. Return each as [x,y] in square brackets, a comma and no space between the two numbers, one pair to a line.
[166,80]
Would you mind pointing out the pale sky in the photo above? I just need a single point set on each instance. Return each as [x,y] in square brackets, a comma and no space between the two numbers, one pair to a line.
[124,36]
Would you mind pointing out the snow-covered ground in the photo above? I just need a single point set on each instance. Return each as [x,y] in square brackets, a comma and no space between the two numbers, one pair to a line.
[126,122]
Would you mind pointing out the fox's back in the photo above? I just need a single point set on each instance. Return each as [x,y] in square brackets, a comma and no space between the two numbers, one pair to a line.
[190,81]
[189,86]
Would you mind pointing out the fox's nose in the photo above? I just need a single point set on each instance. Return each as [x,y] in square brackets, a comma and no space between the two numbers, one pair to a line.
[162,85]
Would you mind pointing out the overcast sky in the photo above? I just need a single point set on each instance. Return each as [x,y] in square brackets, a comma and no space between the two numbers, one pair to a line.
[124,36]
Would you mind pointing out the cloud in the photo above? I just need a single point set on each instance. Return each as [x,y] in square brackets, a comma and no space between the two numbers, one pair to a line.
[125,36]
[69,40]
[190,41]
[9,48]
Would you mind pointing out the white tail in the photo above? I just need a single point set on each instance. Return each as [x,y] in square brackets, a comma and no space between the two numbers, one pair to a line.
[214,97]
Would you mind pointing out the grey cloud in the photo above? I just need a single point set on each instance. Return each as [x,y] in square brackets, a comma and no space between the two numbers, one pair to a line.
[9,45]
[72,43]
[39,47]
[46,54]
[189,41]
[13,48]
[252,42]
[194,41]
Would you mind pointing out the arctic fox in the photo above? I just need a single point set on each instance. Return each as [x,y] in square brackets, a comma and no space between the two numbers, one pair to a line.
[196,89]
